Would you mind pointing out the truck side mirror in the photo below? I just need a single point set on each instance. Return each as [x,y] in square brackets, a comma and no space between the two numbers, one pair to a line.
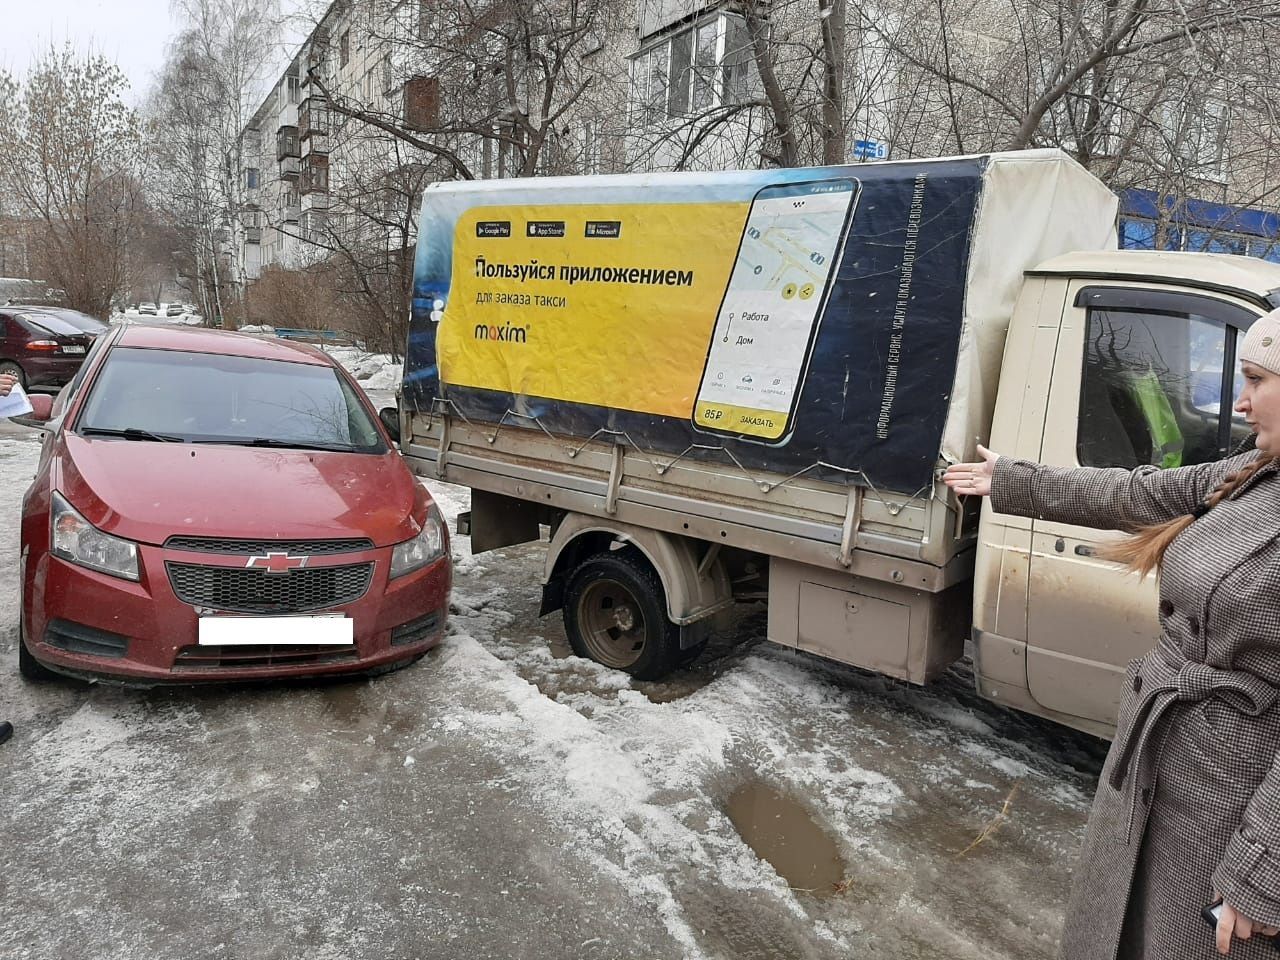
[390,418]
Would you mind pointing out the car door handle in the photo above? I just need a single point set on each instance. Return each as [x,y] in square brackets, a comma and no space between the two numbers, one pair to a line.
[1083,551]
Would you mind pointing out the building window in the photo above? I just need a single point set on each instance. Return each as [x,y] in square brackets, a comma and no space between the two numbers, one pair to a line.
[1137,234]
[1198,128]
[295,89]
[701,66]
[591,146]
[1267,249]
[1141,233]
[344,48]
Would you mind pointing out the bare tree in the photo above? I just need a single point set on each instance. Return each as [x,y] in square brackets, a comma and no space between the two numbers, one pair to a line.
[198,112]
[72,155]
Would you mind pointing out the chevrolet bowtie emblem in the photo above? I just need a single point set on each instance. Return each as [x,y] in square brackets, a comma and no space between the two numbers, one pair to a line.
[277,562]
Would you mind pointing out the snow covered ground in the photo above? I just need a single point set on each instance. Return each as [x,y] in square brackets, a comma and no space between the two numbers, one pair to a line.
[503,798]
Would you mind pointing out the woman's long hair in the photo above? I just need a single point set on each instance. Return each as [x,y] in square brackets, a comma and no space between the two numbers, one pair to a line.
[1142,551]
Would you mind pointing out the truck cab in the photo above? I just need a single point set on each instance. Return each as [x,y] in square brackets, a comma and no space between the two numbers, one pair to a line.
[1113,359]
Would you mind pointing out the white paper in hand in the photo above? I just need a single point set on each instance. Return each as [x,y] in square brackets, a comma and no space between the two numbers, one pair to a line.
[15,404]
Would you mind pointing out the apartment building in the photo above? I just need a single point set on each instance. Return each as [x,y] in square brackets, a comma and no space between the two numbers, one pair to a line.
[449,76]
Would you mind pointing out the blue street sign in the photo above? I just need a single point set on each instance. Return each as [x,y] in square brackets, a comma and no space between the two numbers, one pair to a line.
[870,150]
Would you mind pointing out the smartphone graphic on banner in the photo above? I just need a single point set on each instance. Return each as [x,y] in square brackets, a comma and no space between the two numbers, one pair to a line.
[771,309]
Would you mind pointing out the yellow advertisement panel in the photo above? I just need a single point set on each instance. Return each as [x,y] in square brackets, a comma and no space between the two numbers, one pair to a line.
[604,304]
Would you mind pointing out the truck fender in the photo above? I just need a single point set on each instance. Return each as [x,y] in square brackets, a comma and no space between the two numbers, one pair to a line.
[691,596]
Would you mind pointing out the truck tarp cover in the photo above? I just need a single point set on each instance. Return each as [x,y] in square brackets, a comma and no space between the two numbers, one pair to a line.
[845,321]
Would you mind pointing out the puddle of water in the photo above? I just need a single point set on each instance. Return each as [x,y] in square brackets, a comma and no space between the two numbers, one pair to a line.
[781,831]
[358,714]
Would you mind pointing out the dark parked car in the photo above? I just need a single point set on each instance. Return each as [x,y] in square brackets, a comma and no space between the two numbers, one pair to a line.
[215,506]
[81,321]
[38,348]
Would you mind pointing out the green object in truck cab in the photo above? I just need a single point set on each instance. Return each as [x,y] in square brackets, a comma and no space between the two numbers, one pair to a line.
[1162,424]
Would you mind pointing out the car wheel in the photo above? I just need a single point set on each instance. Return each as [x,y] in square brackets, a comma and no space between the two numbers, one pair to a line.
[13,370]
[615,613]
[31,668]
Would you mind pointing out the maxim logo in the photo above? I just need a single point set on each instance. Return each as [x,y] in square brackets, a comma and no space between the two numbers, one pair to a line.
[507,334]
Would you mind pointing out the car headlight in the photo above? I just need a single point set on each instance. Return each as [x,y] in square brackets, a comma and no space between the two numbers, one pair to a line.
[77,540]
[426,547]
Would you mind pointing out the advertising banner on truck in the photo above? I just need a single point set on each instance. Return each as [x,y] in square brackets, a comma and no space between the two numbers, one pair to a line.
[786,320]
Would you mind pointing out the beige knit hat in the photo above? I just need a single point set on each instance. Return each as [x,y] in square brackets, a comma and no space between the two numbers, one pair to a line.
[1261,344]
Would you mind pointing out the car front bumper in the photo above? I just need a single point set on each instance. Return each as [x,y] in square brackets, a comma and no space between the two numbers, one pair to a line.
[85,623]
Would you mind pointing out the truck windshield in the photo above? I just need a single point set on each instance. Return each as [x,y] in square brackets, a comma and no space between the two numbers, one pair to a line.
[211,398]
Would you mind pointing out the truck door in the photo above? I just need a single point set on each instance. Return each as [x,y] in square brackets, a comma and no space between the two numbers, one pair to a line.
[1142,375]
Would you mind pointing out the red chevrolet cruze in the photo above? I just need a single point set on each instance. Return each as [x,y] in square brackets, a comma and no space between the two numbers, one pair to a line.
[215,506]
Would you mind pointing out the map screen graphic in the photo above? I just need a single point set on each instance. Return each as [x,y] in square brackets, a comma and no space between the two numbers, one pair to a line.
[766,323]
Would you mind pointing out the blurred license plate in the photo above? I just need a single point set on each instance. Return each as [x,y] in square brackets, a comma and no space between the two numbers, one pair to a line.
[291,631]
[73,349]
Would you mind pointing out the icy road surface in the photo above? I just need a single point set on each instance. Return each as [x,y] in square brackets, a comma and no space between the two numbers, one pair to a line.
[504,799]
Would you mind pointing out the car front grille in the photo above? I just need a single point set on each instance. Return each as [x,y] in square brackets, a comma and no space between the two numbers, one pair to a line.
[257,591]
[196,658]
[251,547]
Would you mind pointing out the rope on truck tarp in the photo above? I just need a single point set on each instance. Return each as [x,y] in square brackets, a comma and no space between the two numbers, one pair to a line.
[436,403]
[765,486]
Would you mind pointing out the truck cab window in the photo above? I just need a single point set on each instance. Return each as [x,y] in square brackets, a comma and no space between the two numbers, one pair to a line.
[1152,389]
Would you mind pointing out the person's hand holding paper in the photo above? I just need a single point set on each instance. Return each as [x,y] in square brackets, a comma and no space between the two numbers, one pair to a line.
[13,399]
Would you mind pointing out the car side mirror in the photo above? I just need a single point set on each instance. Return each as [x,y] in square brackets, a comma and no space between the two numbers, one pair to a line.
[41,406]
[390,418]
[41,411]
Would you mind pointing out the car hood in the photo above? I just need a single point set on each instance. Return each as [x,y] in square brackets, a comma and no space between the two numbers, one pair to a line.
[151,491]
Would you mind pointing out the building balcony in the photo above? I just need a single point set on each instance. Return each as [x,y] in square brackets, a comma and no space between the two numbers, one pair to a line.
[252,234]
[290,168]
[313,117]
[289,212]
[315,200]
[317,144]
[315,175]
[287,143]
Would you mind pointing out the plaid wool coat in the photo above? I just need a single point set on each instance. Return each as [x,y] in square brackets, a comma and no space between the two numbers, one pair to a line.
[1189,799]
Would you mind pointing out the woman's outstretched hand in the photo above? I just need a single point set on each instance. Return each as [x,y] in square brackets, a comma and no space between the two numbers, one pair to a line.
[972,479]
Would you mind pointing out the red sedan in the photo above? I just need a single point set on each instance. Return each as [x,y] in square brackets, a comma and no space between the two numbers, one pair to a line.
[215,506]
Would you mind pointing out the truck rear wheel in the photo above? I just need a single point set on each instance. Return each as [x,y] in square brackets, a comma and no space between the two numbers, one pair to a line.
[615,613]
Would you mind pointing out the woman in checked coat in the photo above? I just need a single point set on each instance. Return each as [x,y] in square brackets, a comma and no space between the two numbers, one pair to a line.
[1188,805]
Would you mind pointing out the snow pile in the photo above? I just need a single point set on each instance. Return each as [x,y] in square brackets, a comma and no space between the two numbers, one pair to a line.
[257,328]
[130,313]
[374,371]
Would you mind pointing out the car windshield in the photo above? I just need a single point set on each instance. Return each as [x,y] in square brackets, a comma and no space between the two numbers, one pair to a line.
[48,323]
[142,394]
